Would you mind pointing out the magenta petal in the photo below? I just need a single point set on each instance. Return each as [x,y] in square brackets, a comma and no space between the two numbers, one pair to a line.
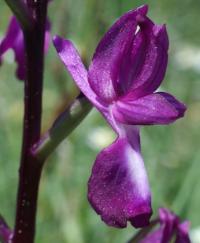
[154,237]
[183,233]
[11,34]
[74,65]
[169,222]
[152,66]
[157,108]
[14,40]
[118,188]
[132,63]
[170,228]
[167,228]
[104,69]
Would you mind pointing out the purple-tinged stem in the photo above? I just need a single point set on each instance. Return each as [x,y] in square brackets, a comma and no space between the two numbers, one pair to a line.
[30,167]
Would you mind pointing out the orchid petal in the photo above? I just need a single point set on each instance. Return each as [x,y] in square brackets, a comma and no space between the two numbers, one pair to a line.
[168,222]
[12,32]
[143,68]
[157,108]
[182,233]
[103,71]
[118,188]
[152,67]
[132,63]
[154,237]
[72,61]
[14,40]
[169,227]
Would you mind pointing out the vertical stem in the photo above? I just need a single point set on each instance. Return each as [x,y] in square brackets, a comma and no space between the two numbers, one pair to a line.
[30,167]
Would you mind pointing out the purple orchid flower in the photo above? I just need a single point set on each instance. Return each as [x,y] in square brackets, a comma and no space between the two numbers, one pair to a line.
[14,40]
[128,66]
[170,226]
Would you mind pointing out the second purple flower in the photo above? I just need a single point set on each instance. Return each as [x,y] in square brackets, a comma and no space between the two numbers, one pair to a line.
[14,40]
[128,66]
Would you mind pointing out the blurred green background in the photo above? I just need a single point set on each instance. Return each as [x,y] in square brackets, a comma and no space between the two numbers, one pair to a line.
[171,153]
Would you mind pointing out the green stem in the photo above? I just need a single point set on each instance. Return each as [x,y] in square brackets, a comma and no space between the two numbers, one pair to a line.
[62,127]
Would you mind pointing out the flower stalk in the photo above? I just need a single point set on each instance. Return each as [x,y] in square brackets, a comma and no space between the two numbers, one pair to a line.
[62,127]
[30,169]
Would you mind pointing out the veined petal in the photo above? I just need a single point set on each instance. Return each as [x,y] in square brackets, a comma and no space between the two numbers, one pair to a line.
[118,188]
[157,108]
[169,222]
[170,228]
[166,230]
[103,72]
[74,65]
[132,63]
[152,67]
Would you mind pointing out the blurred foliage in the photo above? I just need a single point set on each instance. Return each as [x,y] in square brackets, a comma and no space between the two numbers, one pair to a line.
[171,153]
